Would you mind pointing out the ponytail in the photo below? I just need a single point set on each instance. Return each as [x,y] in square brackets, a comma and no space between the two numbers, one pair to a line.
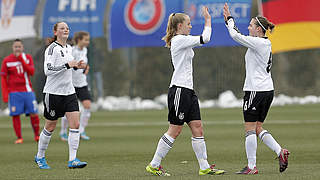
[264,23]
[172,27]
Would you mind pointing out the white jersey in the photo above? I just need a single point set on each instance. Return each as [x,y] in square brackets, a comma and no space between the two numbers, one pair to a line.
[182,54]
[258,60]
[79,79]
[59,75]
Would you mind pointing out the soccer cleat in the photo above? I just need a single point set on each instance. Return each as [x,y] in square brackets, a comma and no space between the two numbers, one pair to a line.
[283,159]
[84,136]
[64,137]
[76,163]
[41,162]
[36,138]
[19,141]
[247,170]
[211,171]
[156,171]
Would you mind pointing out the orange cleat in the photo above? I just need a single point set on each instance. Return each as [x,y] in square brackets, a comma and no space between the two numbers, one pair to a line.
[19,141]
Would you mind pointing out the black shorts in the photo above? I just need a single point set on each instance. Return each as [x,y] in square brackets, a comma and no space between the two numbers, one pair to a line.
[183,105]
[83,93]
[55,106]
[256,105]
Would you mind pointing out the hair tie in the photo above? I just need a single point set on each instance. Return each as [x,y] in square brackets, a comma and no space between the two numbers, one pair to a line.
[260,24]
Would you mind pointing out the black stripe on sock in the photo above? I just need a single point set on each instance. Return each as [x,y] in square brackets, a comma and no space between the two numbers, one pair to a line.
[265,133]
[250,133]
[166,140]
[74,131]
[47,133]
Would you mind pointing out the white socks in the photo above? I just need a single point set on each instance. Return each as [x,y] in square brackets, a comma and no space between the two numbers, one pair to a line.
[84,118]
[43,143]
[267,139]
[251,148]
[199,148]
[64,125]
[73,141]
[164,145]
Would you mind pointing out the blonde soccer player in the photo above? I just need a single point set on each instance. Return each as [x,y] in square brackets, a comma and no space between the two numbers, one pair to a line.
[183,103]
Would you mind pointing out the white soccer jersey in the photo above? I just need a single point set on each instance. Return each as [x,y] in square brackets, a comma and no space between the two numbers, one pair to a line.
[182,54]
[59,77]
[79,79]
[258,60]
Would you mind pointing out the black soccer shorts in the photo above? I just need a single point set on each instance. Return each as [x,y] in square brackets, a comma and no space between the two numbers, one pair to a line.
[256,105]
[183,105]
[83,93]
[55,106]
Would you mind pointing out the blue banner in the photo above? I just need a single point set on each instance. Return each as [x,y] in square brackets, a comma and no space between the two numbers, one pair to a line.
[138,23]
[80,15]
[239,9]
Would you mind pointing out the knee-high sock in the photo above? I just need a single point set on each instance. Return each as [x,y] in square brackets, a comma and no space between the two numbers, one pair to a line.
[35,124]
[164,145]
[84,118]
[64,125]
[73,141]
[200,149]
[43,143]
[17,126]
[267,139]
[251,148]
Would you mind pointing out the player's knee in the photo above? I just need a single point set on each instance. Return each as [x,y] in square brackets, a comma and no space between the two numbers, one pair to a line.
[86,104]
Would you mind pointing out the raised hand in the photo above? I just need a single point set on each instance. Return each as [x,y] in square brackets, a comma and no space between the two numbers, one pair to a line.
[226,11]
[205,12]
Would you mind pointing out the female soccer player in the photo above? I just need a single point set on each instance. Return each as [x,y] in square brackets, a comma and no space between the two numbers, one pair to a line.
[79,79]
[59,96]
[182,101]
[16,87]
[258,88]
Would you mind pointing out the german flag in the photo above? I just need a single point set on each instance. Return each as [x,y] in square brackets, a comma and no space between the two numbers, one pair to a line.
[297,24]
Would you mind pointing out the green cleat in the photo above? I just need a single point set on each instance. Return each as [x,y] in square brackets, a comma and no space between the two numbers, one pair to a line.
[211,171]
[156,171]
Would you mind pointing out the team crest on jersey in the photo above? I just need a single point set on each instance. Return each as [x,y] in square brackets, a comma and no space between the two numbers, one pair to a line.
[13,109]
[52,113]
[181,116]
[61,53]
[144,17]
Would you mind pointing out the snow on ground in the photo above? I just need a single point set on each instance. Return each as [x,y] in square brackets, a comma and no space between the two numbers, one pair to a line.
[225,100]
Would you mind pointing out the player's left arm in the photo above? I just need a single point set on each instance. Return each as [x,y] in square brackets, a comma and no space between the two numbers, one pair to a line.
[27,63]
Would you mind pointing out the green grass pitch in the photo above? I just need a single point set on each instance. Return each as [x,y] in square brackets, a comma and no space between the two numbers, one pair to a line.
[123,142]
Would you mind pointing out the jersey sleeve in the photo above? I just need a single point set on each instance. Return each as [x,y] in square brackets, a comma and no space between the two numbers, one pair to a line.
[27,63]
[49,63]
[4,87]
[247,41]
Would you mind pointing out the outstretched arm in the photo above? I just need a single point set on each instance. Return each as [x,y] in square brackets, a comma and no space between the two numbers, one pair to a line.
[247,41]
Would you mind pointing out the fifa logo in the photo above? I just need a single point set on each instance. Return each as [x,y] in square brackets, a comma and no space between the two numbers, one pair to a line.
[77,5]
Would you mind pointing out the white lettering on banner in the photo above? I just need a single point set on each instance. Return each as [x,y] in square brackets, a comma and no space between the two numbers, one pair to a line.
[237,10]
[68,19]
[77,5]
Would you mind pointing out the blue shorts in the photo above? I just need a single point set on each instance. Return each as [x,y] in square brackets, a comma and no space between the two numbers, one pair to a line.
[22,103]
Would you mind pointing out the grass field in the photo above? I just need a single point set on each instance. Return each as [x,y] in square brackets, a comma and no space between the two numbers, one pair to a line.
[123,143]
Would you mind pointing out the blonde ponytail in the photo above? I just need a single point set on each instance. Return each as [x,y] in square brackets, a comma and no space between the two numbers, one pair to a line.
[172,27]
